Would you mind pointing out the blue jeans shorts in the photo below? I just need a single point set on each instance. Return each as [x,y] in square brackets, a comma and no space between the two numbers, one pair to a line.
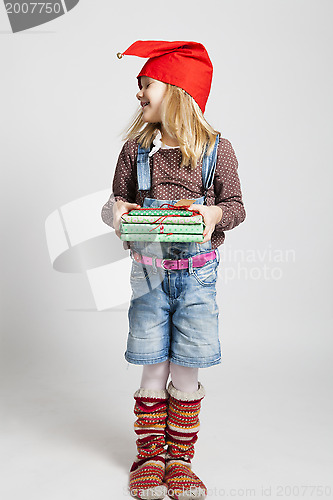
[173,314]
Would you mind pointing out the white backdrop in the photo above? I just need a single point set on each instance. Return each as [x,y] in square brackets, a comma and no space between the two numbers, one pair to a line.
[66,390]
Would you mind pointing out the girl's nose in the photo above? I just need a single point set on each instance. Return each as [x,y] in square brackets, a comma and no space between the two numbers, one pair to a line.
[139,95]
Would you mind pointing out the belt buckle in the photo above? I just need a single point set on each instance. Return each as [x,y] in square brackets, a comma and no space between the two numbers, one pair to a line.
[174,264]
[167,268]
[162,264]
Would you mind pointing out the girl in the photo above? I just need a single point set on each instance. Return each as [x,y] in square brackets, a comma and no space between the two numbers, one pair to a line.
[173,155]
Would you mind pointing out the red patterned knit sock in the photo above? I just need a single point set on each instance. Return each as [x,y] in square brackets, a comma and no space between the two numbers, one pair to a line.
[182,428]
[147,471]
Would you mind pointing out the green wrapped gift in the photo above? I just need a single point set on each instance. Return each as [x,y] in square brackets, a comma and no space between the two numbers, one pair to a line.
[161,211]
[153,219]
[181,237]
[159,224]
[162,228]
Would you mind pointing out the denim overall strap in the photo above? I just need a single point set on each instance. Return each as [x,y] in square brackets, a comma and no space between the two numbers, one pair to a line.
[208,168]
[143,169]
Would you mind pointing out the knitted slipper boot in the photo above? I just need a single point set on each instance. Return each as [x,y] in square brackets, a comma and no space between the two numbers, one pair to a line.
[181,434]
[147,471]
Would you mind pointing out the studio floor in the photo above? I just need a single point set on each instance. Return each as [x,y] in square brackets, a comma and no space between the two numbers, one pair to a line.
[265,429]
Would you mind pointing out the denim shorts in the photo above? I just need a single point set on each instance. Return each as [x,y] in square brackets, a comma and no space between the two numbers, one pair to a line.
[173,314]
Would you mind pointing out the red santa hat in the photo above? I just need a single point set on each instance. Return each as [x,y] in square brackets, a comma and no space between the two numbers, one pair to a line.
[184,64]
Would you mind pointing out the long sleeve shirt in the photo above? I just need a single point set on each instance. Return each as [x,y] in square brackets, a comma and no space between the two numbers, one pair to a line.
[169,181]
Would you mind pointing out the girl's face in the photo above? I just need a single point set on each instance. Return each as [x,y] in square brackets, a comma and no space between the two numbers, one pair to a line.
[151,96]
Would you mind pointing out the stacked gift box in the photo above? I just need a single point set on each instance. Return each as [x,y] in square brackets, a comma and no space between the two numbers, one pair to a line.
[160,224]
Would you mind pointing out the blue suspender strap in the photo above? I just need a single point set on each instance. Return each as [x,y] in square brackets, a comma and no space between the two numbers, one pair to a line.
[143,169]
[208,168]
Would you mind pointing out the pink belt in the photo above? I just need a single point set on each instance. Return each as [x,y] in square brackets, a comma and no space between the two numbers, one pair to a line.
[197,261]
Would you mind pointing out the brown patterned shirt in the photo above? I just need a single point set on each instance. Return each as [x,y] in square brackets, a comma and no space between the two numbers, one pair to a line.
[170,182]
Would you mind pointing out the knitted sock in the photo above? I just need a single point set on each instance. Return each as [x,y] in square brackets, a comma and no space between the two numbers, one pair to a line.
[147,471]
[181,434]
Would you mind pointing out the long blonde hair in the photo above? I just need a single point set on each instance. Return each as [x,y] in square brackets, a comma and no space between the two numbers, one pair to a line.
[183,120]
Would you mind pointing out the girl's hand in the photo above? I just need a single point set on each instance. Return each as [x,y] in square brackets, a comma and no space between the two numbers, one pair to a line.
[211,216]
[120,208]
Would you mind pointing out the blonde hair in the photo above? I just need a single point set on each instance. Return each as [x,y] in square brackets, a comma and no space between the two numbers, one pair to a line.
[183,120]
